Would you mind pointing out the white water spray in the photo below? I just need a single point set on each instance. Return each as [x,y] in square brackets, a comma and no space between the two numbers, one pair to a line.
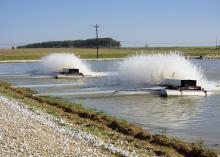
[154,68]
[56,62]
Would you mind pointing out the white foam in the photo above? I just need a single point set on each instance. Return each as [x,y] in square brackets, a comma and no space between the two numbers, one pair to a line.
[56,62]
[154,68]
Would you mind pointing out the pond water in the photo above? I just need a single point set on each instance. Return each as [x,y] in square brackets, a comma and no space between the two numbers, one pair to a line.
[188,118]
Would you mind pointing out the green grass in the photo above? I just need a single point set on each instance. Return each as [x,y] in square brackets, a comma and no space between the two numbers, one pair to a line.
[53,113]
[37,53]
[200,143]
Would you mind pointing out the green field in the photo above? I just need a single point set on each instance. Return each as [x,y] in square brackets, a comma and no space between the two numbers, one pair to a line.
[37,53]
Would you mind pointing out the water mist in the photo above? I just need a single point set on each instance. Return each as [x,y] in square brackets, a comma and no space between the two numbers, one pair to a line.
[56,62]
[154,68]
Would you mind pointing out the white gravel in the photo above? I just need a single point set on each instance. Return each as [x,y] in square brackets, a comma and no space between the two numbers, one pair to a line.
[24,132]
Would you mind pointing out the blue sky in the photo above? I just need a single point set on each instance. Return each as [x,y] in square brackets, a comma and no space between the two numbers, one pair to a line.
[133,22]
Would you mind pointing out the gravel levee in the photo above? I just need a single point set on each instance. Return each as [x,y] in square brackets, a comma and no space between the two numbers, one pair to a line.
[24,132]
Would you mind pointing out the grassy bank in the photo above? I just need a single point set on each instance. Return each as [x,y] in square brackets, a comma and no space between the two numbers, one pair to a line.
[106,126]
[37,53]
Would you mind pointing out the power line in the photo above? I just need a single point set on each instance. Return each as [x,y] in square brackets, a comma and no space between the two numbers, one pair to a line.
[8,44]
[213,43]
[165,43]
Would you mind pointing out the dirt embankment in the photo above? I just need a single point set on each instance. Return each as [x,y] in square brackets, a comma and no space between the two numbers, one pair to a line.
[160,145]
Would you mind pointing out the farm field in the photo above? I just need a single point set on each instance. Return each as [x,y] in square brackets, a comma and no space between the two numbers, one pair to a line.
[37,53]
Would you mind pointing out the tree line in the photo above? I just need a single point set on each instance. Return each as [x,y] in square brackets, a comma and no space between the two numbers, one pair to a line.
[88,43]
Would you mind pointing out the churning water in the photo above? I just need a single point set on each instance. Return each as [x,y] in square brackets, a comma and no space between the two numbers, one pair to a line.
[154,68]
[56,62]
[189,118]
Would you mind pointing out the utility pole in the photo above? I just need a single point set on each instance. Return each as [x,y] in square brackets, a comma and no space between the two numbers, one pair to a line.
[216,43]
[97,42]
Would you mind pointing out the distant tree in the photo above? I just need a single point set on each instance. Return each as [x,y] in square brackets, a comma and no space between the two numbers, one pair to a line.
[12,47]
[88,43]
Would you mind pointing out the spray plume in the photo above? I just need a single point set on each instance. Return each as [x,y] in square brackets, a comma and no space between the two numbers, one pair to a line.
[56,62]
[154,68]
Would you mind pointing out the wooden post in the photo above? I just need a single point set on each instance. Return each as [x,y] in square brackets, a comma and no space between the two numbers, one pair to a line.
[97,42]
